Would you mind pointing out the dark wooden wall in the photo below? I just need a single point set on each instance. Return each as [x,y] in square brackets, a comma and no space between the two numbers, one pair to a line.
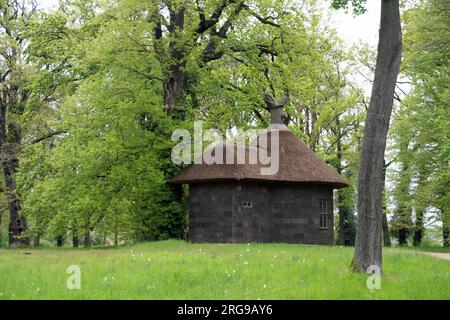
[285,213]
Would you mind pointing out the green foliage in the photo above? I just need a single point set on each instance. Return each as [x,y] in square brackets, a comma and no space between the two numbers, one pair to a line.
[94,121]
[420,129]
[102,85]
[357,5]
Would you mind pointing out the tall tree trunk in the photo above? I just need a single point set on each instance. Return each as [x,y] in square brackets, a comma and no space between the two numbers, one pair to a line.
[402,237]
[18,224]
[385,225]
[175,82]
[75,240]
[75,236]
[342,209]
[368,248]
[314,139]
[386,233]
[404,209]
[1,215]
[307,123]
[59,241]
[445,234]
[87,237]
[37,241]
[418,230]
[346,232]
[343,218]
[116,238]
[9,148]
[116,234]
[420,212]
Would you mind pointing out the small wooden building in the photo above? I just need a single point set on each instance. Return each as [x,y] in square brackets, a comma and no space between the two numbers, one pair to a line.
[235,203]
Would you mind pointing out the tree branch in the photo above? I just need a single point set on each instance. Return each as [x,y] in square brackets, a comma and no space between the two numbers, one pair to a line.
[206,24]
[48,136]
[264,20]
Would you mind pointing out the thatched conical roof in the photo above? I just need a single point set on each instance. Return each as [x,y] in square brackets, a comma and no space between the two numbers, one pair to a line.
[297,164]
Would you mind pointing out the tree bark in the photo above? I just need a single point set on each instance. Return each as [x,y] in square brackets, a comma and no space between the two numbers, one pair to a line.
[445,235]
[368,248]
[1,216]
[59,241]
[404,210]
[10,163]
[37,241]
[386,233]
[313,139]
[75,242]
[346,232]
[343,217]
[18,224]
[13,98]
[75,237]
[385,225]
[116,238]
[175,82]
[342,210]
[418,232]
[402,237]
[420,213]
[87,237]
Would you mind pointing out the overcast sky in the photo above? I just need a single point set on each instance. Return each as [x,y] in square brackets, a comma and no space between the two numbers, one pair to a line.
[364,27]
[351,29]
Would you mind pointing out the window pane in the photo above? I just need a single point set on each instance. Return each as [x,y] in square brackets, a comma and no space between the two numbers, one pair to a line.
[324,221]
[323,206]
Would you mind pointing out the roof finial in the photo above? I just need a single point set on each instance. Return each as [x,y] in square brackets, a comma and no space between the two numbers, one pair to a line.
[275,107]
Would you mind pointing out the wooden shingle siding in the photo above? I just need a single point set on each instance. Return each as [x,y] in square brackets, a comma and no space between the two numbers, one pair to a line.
[285,213]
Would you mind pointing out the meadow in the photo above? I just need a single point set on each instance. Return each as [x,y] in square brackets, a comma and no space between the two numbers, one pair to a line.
[177,270]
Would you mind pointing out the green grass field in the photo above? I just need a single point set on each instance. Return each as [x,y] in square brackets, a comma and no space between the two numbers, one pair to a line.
[177,270]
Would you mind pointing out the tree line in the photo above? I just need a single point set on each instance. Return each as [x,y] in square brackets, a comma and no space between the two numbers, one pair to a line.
[91,92]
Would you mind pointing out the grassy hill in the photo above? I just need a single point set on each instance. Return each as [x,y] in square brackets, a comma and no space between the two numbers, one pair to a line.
[177,270]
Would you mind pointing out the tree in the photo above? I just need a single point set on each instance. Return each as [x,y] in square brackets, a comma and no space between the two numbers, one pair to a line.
[99,168]
[386,232]
[420,127]
[368,247]
[14,73]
